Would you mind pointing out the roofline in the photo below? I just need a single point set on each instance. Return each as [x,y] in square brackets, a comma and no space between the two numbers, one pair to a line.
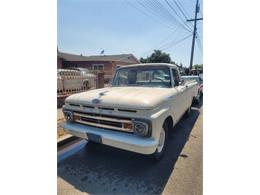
[59,54]
[135,58]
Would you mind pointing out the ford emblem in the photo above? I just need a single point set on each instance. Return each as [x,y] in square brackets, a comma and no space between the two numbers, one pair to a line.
[95,101]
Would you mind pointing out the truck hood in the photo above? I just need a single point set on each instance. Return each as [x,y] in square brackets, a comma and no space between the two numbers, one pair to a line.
[123,97]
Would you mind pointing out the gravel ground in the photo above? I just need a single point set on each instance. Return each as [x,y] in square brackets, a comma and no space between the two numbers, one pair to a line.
[60,120]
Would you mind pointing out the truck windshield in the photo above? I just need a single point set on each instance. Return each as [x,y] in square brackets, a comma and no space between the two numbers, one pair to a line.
[145,76]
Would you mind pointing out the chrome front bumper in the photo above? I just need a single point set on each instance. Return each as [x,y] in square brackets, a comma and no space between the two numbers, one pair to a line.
[115,139]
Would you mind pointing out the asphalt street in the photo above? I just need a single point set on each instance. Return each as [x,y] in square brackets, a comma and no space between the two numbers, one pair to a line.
[85,169]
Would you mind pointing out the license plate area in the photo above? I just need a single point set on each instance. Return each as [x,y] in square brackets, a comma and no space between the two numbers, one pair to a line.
[94,138]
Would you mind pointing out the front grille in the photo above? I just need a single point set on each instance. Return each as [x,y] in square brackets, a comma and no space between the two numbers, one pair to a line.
[88,106]
[76,105]
[104,121]
[104,108]
[125,110]
[116,124]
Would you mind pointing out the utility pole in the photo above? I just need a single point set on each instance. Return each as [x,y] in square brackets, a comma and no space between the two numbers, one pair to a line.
[194,32]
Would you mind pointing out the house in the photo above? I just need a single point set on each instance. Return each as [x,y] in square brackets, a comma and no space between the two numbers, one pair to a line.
[106,63]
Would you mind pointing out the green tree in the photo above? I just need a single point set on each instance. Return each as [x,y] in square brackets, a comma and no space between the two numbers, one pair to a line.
[157,57]
[197,66]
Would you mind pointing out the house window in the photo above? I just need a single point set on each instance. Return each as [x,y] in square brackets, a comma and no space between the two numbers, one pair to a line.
[97,66]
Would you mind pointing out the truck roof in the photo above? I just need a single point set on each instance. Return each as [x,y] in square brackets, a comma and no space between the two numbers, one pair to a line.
[149,64]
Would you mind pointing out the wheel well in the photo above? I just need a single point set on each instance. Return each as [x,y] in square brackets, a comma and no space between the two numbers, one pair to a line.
[169,122]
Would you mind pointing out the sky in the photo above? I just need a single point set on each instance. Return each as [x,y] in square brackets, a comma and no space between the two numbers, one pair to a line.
[129,26]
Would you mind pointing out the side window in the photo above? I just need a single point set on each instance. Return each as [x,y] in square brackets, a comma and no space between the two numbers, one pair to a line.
[176,77]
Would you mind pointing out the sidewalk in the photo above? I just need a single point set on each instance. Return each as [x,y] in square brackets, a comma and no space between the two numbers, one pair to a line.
[187,177]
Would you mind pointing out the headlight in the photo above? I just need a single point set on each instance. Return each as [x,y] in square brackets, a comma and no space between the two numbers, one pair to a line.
[142,128]
[68,115]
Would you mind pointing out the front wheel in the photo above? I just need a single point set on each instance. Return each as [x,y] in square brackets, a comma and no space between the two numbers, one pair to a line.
[188,111]
[198,99]
[163,140]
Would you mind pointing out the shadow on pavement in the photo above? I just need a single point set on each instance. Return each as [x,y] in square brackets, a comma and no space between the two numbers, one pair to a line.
[107,170]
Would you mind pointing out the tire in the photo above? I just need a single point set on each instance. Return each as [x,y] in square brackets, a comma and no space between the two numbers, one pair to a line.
[188,111]
[198,99]
[160,150]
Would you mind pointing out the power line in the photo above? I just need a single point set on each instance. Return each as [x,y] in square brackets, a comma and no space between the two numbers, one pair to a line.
[199,43]
[171,44]
[154,7]
[154,10]
[161,12]
[160,6]
[158,45]
[194,32]
[176,43]
[200,11]
[184,11]
[201,53]
[172,8]
[149,16]
[179,8]
[176,13]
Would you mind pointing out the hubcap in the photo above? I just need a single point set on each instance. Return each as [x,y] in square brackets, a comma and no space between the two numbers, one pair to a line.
[161,141]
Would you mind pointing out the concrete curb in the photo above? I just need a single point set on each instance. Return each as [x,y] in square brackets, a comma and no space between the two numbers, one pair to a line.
[66,141]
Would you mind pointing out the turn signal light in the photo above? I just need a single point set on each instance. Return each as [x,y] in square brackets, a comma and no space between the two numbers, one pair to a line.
[127,126]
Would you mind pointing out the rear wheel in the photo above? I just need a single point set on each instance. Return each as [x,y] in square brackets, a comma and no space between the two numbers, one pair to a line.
[163,140]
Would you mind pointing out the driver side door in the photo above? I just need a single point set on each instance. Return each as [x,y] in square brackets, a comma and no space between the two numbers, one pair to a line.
[180,104]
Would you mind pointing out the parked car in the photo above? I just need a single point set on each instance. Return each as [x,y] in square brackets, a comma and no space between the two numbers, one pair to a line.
[72,81]
[83,71]
[199,80]
[136,114]
[196,71]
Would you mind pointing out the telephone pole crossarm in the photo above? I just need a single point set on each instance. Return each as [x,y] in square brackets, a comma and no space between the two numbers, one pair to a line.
[191,20]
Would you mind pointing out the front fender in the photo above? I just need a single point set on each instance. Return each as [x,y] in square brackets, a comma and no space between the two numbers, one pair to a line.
[158,119]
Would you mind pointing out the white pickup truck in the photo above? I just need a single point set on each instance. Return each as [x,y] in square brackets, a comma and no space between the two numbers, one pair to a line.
[136,113]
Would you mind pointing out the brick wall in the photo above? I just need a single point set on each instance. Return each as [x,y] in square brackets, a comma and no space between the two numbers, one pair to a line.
[107,65]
